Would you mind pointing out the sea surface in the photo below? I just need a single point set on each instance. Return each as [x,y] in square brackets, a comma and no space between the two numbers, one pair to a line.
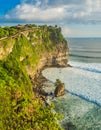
[85,49]
[81,105]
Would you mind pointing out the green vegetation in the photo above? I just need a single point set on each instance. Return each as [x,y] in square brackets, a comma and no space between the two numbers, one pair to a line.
[7,31]
[55,34]
[19,108]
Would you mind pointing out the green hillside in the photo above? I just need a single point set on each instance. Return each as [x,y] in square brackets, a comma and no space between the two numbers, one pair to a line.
[20,49]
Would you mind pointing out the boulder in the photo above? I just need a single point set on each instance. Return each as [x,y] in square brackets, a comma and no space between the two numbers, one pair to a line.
[60,88]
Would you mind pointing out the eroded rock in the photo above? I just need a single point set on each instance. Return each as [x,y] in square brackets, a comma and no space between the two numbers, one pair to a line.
[60,88]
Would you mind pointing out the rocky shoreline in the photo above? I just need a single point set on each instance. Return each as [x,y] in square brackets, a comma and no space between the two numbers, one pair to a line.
[30,52]
[40,84]
[45,91]
[42,87]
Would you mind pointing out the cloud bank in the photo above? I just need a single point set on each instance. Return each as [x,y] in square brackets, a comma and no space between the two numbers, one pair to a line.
[57,11]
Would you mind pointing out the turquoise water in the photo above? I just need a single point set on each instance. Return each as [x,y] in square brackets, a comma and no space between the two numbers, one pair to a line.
[81,105]
[83,115]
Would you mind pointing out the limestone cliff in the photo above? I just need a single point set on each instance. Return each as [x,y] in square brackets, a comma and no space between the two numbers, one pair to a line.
[53,53]
[36,48]
[58,57]
[48,49]
[22,57]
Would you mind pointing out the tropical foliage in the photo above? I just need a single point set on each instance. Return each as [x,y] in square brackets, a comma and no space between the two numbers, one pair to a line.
[19,108]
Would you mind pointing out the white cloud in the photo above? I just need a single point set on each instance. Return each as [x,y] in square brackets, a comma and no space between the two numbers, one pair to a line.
[56,11]
[33,13]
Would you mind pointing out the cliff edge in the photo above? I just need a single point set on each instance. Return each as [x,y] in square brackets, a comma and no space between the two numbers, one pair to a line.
[22,57]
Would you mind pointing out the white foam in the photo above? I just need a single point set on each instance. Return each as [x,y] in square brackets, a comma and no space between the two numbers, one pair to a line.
[94,67]
[78,81]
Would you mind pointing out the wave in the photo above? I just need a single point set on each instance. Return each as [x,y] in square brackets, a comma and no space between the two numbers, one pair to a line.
[83,56]
[92,67]
[84,97]
[83,84]
[84,50]
[78,82]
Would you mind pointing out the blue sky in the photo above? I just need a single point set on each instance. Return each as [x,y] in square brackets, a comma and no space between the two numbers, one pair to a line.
[78,18]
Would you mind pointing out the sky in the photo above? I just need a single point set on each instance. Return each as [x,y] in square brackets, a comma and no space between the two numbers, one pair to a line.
[78,18]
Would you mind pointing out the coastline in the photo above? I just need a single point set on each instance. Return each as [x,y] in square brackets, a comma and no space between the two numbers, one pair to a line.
[42,86]
[22,59]
[81,113]
[79,82]
[45,92]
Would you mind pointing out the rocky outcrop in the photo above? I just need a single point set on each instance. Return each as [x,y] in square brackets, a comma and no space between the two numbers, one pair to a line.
[56,58]
[60,88]
[59,56]
[22,58]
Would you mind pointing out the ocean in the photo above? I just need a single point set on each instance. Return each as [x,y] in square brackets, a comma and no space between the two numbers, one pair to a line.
[81,105]
[85,49]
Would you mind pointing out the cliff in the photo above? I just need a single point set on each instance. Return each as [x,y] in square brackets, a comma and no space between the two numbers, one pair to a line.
[22,57]
[57,57]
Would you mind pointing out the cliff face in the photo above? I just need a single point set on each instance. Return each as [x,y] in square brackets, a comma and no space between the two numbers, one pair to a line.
[22,57]
[58,57]
[55,55]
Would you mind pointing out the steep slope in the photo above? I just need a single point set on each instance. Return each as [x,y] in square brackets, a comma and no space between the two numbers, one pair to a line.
[22,57]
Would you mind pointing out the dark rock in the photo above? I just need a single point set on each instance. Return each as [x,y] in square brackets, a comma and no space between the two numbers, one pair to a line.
[60,88]
[69,126]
